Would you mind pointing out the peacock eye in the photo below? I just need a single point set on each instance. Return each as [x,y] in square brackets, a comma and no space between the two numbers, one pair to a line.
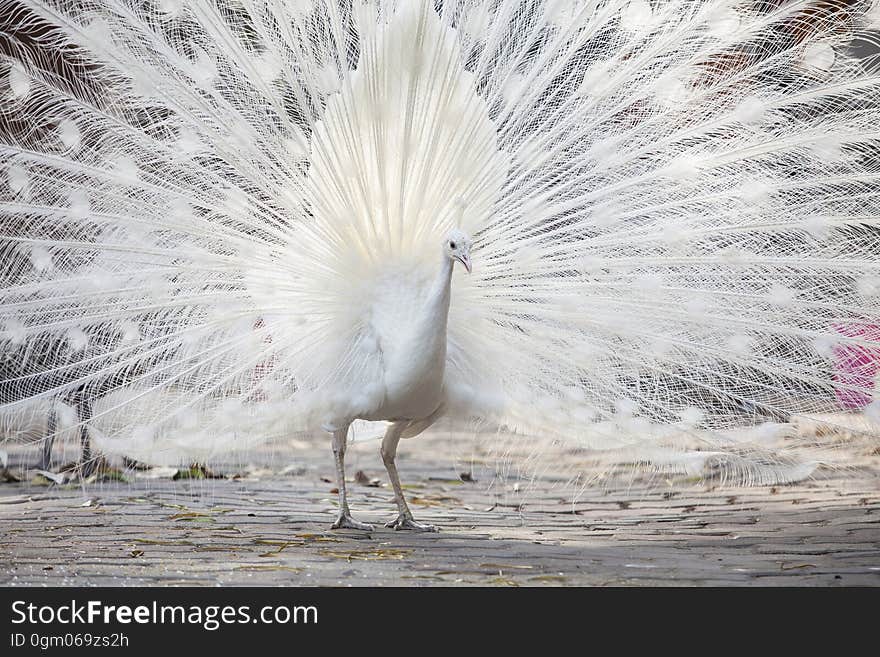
[452,245]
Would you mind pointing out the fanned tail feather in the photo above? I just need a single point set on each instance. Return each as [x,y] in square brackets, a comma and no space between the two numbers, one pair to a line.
[673,203]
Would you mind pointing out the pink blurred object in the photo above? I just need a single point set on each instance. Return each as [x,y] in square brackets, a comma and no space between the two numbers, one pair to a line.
[856,365]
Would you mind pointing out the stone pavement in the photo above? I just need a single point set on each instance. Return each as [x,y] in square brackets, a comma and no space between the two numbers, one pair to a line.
[269,525]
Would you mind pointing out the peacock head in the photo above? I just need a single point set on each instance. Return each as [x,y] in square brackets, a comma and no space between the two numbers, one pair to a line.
[457,246]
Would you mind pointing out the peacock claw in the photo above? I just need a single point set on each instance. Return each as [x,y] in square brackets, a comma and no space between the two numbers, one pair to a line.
[345,521]
[402,522]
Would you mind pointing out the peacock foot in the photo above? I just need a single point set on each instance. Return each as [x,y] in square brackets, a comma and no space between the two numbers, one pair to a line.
[345,521]
[403,522]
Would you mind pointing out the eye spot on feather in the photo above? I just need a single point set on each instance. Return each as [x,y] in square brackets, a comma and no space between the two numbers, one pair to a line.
[97,30]
[684,167]
[674,235]
[868,286]
[818,226]
[530,154]
[585,354]
[660,347]
[77,340]
[69,134]
[513,88]
[691,416]
[269,64]
[739,345]
[637,17]
[204,68]
[67,415]
[673,91]
[527,258]
[650,283]
[300,8]
[561,13]
[19,81]
[697,306]
[144,86]
[590,264]
[130,332]
[237,202]
[101,282]
[41,259]
[534,209]
[734,255]
[755,191]
[172,8]
[750,110]
[18,178]
[596,81]
[829,149]
[477,21]
[779,295]
[181,209]
[626,408]
[78,203]
[188,142]
[722,21]
[819,56]
[296,144]
[824,346]
[125,167]
[14,332]
[328,79]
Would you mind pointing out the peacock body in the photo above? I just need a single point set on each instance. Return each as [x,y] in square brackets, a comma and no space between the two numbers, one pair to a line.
[229,220]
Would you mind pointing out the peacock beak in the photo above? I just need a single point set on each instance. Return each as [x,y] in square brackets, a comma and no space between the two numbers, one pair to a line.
[466,261]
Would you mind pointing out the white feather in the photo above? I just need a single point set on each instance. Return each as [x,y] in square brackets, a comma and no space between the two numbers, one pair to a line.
[232,222]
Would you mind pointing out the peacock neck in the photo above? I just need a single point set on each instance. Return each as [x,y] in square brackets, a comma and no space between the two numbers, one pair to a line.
[424,348]
[429,330]
[437,305]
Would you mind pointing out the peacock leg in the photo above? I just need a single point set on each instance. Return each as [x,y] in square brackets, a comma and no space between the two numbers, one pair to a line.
[388,450]
[344,520]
